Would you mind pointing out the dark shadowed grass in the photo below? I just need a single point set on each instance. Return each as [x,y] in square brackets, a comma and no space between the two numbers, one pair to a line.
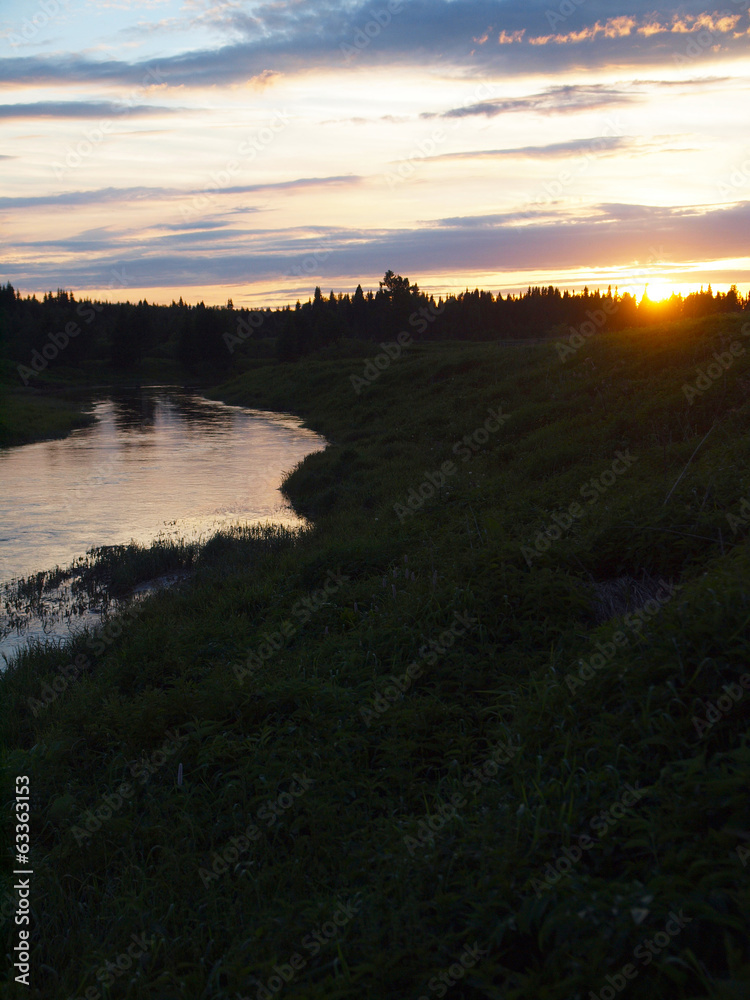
[28,415]
[450,807]
[101,580]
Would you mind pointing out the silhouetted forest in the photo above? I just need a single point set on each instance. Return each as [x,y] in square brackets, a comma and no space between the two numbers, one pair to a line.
[63,330]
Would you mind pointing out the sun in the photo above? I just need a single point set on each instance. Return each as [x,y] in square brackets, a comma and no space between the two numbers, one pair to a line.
[658,291]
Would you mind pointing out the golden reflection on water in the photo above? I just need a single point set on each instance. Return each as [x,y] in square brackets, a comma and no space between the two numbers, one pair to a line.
[158,460]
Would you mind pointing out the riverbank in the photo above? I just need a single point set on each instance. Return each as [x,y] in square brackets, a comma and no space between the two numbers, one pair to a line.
[55,402]
[27,416]
[486,721]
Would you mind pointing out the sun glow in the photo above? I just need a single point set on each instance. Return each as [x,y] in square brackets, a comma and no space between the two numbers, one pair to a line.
[658,291]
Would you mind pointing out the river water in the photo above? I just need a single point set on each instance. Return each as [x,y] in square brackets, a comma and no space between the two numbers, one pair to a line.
[159,461]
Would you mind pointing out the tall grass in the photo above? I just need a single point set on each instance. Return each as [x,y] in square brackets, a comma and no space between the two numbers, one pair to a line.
[27,415]
[275,663]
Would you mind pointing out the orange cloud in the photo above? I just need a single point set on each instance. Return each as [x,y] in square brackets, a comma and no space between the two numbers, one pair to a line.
[620,27]
[651,29]
[505,38]
[722,23]
[615,27]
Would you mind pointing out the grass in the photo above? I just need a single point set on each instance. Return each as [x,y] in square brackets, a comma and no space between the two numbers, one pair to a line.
[46,408]
[103,579]
[27,415]
[486,795]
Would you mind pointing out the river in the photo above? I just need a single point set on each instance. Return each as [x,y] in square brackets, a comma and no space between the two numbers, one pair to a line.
[159,461]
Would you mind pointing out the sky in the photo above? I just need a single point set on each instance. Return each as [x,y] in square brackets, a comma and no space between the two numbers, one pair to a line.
[250,150]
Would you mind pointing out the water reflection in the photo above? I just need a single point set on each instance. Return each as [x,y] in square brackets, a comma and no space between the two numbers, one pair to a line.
[158,461]
[134,412]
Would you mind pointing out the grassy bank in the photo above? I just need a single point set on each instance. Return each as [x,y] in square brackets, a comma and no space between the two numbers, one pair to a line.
[482,729]
[27,415]
[51,406]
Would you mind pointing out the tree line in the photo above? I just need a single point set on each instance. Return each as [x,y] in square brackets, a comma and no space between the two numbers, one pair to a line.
[63,329]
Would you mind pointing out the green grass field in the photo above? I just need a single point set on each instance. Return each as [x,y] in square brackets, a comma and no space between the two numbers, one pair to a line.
[480,732]
[26,415]
[46,408]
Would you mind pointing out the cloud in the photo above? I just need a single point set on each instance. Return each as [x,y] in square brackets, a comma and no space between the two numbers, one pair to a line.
[154,194]
[579,97]
[598,145]
[82,109]
[611,235]
[524,36]
[626,26]
[602,144]
[101,196]
[301,182]
[569,98]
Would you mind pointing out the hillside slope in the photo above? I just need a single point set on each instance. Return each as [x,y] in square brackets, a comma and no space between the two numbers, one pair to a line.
[482,729]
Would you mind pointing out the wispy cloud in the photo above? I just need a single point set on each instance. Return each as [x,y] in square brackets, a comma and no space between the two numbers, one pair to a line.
[100,196]
[539,79]
[610,235]
[579,97]
[570,98]
[626,26]
[557,150]
[83,109]
[476,34]
[124,196]
[597,145]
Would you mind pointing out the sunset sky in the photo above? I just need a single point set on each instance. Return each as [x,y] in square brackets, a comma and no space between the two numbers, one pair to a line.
[167,148]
